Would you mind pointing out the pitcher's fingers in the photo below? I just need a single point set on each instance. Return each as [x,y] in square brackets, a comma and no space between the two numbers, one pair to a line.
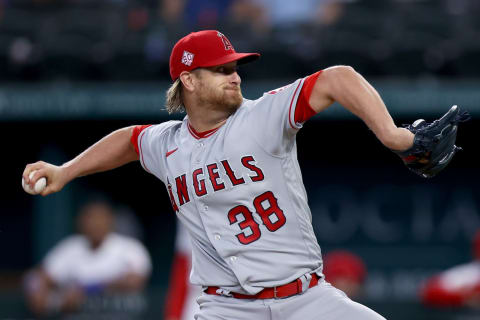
[46,191]
[51,188]
[31,167]
[43,172]
[26,172]
[33,179]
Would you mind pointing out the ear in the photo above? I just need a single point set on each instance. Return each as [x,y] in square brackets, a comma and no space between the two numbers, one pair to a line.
[187,80]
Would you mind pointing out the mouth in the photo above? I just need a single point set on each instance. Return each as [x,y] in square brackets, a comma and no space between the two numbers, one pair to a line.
[233,91]
[233,88]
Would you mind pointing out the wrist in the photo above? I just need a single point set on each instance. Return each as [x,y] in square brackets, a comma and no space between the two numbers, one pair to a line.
[405,140]
[68,171]
[398,139]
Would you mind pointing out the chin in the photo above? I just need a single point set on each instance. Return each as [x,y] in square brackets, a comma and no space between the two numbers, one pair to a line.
[234,105]
[233,102]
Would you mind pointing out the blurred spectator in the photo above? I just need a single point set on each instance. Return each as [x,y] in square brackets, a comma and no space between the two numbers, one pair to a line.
[244,19]
[127,224]
[206,14]
[197,14]
[287,13]
[456,287]
[181,296]
[301,28]
[137,18]
[95,263]
[345,271]
[51,39]
[248,15]
[171,11]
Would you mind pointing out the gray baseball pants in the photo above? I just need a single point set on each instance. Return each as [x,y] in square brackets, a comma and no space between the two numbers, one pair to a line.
[322,302]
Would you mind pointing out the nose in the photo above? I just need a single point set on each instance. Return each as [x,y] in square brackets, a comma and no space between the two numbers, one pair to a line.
[235,78]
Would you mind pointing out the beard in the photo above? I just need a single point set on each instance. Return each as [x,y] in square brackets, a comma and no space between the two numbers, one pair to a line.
[226,98]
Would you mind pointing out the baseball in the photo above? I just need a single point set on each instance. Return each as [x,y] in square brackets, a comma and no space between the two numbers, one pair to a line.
[39,185]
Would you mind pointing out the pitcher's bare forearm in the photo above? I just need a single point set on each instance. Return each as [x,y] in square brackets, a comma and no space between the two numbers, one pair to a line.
[352,91]
[109,153]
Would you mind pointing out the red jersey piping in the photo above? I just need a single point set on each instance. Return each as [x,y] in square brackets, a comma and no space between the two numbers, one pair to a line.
[141,152]
[290,108]
[200,135]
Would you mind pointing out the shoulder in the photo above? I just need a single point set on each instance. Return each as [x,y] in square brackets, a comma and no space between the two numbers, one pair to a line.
[281,95]
[68,247]
[122,241]
[71,242]
[244,108]
[151,136]
[164,127]
[129,249]
[471,268]
[285,92]
[459,276]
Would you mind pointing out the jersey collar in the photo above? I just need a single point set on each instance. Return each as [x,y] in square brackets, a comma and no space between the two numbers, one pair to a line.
[203,134]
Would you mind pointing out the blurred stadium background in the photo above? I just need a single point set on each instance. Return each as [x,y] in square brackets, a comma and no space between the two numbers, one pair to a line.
[71,71]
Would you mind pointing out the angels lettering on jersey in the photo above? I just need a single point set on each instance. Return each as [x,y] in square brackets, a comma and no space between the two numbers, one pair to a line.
[210,174]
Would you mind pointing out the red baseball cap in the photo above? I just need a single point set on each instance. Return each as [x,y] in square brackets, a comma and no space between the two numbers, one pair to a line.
[205,48]
[343,264]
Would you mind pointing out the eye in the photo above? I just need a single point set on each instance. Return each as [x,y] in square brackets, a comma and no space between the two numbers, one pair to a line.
[226,70]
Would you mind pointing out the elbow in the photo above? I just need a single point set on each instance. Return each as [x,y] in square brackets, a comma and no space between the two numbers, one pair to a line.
[341,71]
[339,79]
[332,85]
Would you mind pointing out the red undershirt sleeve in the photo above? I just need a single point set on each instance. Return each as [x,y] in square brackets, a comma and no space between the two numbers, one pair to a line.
[136,132]
[304,111]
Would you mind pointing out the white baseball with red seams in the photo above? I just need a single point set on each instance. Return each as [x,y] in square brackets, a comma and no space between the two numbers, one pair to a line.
[39,185]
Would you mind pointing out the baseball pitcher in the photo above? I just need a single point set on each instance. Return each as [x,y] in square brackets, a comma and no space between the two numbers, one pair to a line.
[232,175]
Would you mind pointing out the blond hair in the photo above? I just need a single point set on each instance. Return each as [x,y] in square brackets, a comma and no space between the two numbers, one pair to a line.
[174,97]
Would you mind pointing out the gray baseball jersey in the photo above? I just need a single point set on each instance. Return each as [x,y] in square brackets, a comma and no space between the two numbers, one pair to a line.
[238,190]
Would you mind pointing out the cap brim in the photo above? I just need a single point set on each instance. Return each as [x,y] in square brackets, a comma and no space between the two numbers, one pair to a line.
[241,58]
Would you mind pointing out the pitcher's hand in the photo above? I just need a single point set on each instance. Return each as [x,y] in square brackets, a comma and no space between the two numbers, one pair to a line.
[56,176]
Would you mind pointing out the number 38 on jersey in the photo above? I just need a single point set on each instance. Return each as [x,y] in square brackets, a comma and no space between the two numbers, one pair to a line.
[266,206]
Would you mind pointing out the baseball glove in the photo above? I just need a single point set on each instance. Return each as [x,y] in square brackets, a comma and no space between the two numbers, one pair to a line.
[434,143]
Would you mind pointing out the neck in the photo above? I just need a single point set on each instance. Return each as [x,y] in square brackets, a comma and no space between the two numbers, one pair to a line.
[94,245]
[200,124]
[204,118]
